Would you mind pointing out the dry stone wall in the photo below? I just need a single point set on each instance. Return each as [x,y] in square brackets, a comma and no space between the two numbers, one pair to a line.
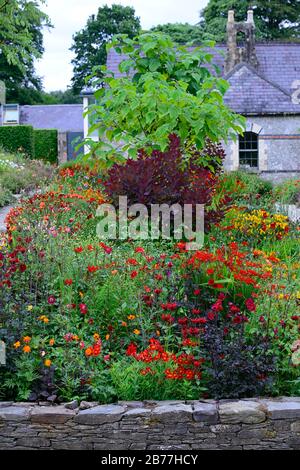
[175,425]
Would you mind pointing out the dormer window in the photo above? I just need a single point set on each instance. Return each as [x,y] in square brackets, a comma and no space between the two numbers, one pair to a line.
[10,114]
[248,149]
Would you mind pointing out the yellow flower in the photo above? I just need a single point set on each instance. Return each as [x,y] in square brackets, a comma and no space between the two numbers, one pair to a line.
[29,308]
[51,342]
[131,317]
[27,339]
[26,349]
[17,344]
[136,332]
[44,319]
[47,362]
[81,294]
[96,337]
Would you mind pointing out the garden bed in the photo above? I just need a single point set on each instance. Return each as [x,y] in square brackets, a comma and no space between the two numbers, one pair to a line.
[105,321]
[20,175]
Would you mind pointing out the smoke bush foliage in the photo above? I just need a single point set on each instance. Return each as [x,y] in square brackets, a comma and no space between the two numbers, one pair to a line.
[159,179]
[165,89]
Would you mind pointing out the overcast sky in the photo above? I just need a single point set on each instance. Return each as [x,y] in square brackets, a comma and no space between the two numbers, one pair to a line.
[69,16]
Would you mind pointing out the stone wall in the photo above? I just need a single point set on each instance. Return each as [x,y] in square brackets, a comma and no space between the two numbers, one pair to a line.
[243,424]
[279,147]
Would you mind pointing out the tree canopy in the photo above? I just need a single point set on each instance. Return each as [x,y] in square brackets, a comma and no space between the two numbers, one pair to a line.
[166,89]
[274,19]
[21,43]
[89,44]
[181,33]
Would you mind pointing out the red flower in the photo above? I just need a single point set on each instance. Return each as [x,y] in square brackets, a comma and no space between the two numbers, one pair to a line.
[106,248]
[196,311]
[83,309]
[250,305]
[131,350]
[211,316]
[139,249]
[167,317]
[133,274]
[92,269]
[78,249]
[51,299]
[68,282]
[169,306]
[197,292]
[22,267]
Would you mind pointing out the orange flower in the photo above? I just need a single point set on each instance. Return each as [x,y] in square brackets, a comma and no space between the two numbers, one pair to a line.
[27,339]
[44,319]
[136,332]
[26,349]
[47,362]
[107,337]
[131,317]
[88,352]
[96,337]
[124,323]
[51,342]
[17,344]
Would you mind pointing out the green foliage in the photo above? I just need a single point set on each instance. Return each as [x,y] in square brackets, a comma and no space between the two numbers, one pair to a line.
[288,192]
[274,20]
[18,174]
[181,33]
[21,43]
[45,142]
[247,189]
[130,384]
[89,44]
[31,96]
[171,92]
[18,139]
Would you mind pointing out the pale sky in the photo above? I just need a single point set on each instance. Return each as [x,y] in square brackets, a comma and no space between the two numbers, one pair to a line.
[69,16]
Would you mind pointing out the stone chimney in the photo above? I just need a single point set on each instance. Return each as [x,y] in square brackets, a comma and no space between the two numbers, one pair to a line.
[246,53]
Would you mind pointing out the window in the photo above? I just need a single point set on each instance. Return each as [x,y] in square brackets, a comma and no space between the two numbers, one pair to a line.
[248,149]
[10,114]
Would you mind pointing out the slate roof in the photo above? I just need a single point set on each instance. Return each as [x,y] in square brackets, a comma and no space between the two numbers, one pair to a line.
[265,90]
[66,117]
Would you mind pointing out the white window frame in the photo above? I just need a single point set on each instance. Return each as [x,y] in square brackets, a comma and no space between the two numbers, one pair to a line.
[6,107]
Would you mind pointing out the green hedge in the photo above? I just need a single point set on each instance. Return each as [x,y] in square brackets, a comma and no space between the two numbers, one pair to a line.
[36,143]
[45,141]
[17,139]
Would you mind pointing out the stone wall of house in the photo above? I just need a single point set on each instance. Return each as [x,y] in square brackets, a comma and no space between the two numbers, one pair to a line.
[279,147]
[228,424]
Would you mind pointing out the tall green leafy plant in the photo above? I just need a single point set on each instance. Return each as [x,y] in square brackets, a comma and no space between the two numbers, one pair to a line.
[164,89]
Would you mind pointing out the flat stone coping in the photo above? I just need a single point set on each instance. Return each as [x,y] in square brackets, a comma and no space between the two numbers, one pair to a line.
[245,411]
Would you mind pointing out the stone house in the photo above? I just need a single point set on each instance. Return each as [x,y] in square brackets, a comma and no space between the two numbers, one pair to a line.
[264,83]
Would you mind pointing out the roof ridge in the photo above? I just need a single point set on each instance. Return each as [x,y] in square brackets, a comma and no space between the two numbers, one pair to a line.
[40,105]
[260,75]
